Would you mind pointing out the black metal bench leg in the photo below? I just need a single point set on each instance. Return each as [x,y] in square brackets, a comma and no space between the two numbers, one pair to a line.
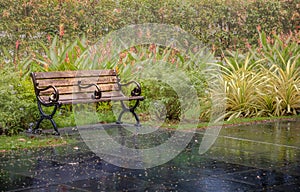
[136,118]
[129,109]
[43,116]
[55,127]
[34,131]
[120,116]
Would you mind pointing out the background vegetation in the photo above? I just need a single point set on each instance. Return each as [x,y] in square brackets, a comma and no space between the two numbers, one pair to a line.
[223,24]
[255,43]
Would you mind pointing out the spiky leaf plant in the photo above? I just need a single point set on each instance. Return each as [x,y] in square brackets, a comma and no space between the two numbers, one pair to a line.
[282,62]
[284,87]
[242,82]
[60,56]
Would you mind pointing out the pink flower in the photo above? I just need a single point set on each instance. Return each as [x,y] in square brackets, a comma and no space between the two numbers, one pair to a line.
[49,38]
[17,44]
[61,30]
[67,59]
[117,10]
[258,28]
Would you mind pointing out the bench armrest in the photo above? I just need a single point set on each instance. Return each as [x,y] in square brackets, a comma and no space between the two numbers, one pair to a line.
[97,92]
[136,91]
[53,98]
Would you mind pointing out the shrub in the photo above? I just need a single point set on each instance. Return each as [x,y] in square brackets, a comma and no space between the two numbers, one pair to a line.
[17,102]
[161,73]
[282,62]
[265,81]
[242,82]
[60,55]
[284,87]
[218,23]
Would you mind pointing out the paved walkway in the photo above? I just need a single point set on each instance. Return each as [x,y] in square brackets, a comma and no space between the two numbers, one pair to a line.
[261,157]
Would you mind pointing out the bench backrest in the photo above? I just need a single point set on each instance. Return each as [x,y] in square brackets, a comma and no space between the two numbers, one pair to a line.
[67,83]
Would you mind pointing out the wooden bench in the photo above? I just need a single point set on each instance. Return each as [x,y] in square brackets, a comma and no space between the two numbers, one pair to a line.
[76,87]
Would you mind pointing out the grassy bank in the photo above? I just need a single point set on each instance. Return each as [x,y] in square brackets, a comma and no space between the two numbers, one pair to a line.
[22,142]
[233,122]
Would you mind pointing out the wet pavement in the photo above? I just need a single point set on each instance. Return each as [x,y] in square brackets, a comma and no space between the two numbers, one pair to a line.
[256,157]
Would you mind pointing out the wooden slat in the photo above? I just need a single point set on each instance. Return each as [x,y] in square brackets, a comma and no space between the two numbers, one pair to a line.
[74,81]
[75,89]
[73,74]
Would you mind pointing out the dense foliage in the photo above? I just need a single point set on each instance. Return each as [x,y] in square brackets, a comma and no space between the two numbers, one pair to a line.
[265,81]
[17,106]
[260,70]
[222,24]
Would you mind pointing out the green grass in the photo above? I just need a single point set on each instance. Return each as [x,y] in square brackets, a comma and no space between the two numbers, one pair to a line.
[17,142]
[232,122]
[259,119]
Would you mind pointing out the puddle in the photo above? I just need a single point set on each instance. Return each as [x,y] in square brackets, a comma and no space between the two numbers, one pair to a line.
[244,158]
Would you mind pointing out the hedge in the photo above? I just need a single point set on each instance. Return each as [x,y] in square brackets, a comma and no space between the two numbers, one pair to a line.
[223,24]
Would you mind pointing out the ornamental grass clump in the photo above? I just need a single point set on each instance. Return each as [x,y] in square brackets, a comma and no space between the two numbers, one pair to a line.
[285,85]
[282,62]
[265,82]
[60,55]
[242,82]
